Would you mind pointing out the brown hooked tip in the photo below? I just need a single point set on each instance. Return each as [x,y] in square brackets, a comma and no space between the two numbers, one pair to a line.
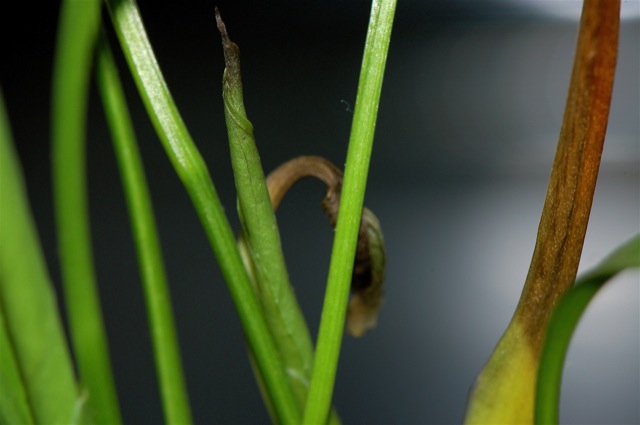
[368,269]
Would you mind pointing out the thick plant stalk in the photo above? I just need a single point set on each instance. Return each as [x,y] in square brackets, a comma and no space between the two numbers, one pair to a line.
[504,391]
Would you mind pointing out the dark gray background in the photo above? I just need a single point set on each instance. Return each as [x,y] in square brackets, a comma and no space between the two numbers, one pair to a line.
[470,113]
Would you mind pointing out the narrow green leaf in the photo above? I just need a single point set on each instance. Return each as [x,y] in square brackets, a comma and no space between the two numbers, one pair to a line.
[165,342]
[355,179]
[563,324]
[193,172]
[79,23]
[260,230]
[36,374]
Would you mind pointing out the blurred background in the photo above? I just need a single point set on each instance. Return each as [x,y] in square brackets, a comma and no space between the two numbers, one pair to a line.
[470,114]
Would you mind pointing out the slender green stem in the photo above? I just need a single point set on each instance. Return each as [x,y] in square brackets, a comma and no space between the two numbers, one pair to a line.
[192,170]
[355,179]
[165,342]
[79,23]
[563,323]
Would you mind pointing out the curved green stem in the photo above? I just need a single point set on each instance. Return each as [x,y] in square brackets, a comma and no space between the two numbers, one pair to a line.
[79,23]
[165,342]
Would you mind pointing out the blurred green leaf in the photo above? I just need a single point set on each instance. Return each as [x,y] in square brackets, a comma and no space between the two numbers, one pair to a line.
[36,379]
[78,28]
[563,324]
[14,406]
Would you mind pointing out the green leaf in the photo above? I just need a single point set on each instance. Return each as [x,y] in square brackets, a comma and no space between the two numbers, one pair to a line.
[79,23]
[260,231]
[163,332]
[36,375]
[355,179]
[563,324]
[193,172]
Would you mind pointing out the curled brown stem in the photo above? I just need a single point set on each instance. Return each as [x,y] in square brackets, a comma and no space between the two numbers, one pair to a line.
[367,280]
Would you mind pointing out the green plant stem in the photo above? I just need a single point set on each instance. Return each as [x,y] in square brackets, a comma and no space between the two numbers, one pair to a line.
[347,227]
[165,342]
[563,323]
[192,170]
[37,383]
[260,231]
[79,23]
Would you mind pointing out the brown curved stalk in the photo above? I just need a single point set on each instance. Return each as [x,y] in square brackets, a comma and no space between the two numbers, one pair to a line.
[280,180]
[366,284]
